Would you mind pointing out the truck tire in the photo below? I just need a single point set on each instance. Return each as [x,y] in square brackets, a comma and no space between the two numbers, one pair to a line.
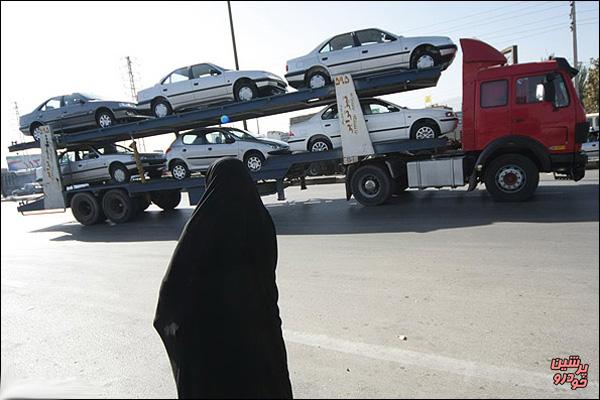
[118,206]
[371,185]
[86,209]
[511,177]
[166,199]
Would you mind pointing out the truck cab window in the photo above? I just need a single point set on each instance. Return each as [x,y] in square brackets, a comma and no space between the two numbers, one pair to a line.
[530,89]
[494,94]
[561,93]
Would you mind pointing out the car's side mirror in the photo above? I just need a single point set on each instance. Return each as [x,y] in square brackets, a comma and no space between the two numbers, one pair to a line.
[229,140]
[393,109]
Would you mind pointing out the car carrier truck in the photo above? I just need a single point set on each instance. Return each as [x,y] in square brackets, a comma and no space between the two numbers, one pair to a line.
[518,121]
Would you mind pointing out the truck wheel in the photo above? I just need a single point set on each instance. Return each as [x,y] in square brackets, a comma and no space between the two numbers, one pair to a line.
[119,173]
[371,185]
[167,199]
[511,177]
[118,206]
[86,209]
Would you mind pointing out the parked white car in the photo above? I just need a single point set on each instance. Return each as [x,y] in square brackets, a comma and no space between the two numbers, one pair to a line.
[385,121]
[367,50]
[197,149]
[87,164]
[203,84]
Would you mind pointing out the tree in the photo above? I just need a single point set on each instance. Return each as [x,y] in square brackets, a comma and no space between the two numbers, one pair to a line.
[590,91]
[580,80]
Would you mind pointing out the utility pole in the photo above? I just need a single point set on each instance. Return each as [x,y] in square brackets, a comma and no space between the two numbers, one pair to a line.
[237,66]
[133,91]
[131,80]
[574,30]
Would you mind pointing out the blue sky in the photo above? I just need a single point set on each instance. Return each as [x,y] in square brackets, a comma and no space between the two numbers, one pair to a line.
[65,47]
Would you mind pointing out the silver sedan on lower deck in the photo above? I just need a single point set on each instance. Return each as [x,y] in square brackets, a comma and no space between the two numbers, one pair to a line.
[196,150]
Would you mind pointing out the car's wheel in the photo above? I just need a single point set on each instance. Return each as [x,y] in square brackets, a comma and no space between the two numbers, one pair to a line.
[317,79]
[424,58]
[161,108]
[105,118]
[319,144]
[254,161]
[119,173]
[179,170]
[118,206]
[245,90]
[371,185]
[424,130]
[511,177]
[166,199]
[36,131]
[86,209]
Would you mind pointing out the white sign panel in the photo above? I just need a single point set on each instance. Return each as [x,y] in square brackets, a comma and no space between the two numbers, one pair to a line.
[51,180]
[353,128]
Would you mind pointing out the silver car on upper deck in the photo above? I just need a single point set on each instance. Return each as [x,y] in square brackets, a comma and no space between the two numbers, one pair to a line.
[367,50]
[75,112]
[203,84]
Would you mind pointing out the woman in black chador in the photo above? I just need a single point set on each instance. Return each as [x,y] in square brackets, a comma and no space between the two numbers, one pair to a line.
[217,311]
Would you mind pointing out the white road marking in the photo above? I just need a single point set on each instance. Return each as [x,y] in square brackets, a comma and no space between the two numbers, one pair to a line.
[468,369]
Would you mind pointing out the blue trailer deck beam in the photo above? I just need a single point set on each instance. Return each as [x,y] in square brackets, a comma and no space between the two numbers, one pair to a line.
[389,82]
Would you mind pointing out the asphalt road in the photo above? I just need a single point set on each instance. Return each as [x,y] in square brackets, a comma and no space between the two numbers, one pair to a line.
[438,294]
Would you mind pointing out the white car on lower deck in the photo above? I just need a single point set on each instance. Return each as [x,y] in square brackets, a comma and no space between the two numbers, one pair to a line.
[385,121]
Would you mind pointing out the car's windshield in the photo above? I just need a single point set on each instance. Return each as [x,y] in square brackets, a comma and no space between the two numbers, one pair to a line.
[113,149]
[241,134]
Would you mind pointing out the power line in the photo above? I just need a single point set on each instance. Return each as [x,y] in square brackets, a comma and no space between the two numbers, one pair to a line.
[526,30]
[494,20]
[468,16]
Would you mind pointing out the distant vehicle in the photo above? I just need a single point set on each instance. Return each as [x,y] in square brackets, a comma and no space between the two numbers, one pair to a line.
[196,150]
[593,120]
[88,164]
[75,112]
[201,84]
[367,50]
[385,121]
[591,146]
[29,188]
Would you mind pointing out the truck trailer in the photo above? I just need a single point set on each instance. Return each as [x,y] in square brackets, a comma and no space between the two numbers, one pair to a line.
[517,121]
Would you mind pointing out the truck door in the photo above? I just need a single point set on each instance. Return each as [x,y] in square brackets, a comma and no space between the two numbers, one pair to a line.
[492,116]
[542,109]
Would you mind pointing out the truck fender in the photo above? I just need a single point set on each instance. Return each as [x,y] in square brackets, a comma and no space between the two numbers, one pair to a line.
[510,144]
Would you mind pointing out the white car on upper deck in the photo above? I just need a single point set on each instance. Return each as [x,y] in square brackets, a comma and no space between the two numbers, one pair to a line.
[367,50]
[385,121]
[204,84]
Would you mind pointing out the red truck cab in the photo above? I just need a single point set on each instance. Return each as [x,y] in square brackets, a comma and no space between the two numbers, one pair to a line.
[530,111]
